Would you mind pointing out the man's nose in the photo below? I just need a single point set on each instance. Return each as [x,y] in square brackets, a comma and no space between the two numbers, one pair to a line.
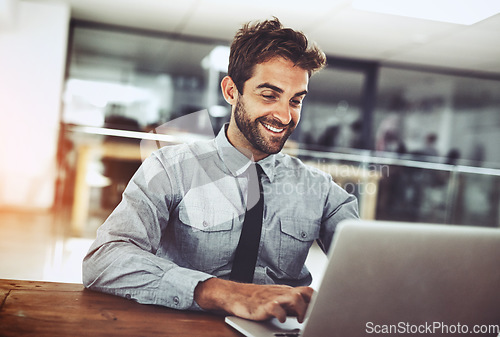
[283,113]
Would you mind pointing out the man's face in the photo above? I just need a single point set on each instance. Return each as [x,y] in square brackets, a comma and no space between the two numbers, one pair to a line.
[269,110]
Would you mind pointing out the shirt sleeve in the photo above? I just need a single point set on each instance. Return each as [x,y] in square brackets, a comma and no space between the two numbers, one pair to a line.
[339,205]
[122,260]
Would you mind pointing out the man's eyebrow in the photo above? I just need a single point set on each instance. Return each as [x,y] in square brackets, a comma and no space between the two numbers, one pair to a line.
[300,93]
[270,86]
[278,89]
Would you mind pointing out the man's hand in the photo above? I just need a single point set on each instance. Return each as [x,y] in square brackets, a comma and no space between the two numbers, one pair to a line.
[253,301]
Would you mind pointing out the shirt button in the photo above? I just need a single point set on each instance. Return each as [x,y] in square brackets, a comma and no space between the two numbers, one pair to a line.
[303,235]
[176,300]
[127,296]
[205,223]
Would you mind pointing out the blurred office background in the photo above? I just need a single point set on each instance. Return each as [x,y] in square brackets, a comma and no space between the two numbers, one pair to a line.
[406,115]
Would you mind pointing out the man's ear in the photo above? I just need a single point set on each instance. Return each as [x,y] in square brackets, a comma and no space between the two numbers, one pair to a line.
[229,90]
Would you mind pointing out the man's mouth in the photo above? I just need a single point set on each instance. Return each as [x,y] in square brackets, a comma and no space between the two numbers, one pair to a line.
[272,128]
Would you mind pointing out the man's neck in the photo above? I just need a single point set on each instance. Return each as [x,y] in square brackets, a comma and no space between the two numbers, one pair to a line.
[239,142]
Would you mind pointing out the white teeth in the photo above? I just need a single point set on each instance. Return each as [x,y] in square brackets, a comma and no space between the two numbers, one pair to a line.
[269,127]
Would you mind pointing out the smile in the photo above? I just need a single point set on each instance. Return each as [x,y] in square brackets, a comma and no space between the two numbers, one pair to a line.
[273,129]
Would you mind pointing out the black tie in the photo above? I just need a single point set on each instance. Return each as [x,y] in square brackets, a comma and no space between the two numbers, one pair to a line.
[245,256]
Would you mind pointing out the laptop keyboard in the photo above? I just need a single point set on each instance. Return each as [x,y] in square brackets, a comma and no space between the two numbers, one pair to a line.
[287,334]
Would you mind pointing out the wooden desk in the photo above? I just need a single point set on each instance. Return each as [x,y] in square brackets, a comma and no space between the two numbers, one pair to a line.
[31,308]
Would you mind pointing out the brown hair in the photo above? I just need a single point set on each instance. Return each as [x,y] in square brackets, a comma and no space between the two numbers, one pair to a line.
[259,42]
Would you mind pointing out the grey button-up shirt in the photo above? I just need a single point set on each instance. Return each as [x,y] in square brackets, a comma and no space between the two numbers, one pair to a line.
[181,215]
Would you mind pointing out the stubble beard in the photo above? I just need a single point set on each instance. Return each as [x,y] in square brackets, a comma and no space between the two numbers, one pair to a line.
[251,130]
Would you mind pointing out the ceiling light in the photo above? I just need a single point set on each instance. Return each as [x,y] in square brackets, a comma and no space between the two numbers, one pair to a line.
[217,59]
[464,12]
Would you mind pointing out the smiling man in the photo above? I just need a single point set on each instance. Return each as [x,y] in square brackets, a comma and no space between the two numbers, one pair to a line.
[226,225]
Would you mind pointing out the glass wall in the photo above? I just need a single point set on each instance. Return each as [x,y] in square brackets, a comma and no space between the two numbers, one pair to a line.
[425,119]
[120,86]
[455,119]
[332,113]
[144,79]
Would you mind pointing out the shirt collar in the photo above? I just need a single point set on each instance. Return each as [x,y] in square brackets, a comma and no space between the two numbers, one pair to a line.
[236,162]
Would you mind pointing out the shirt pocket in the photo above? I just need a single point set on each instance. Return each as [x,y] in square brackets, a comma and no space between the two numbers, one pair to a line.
[205,236]
[296,237]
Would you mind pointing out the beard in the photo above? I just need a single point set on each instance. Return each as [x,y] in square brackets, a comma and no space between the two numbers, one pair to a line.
[260,140]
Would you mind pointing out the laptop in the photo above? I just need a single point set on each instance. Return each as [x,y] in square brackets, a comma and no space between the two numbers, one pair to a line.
[404,279]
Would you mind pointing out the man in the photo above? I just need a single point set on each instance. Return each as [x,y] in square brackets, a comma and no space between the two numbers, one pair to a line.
[175,237]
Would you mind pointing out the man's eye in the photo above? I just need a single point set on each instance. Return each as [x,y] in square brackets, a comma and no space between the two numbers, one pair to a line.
[295,102]
[270,97]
